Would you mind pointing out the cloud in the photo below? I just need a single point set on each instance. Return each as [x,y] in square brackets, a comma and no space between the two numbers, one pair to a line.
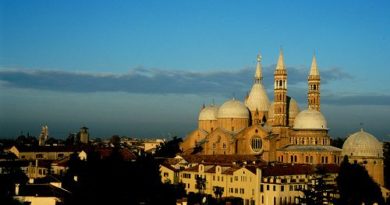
[360,99]
[152,81]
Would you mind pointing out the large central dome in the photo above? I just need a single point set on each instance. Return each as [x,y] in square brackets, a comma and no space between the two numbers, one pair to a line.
[257,99]
[310,119]
[362,144]
[233,109]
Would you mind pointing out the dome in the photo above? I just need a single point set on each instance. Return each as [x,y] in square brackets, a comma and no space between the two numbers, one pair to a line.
[310,119]
[257,98]
[233,109]
[209,113]
[362,144]
[293,109]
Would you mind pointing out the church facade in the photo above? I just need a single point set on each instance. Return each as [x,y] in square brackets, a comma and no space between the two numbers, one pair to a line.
[274,131]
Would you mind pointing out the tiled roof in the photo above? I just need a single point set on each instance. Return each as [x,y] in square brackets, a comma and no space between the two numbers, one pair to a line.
[318,148]
[223,159]
[42,190]
[45,149]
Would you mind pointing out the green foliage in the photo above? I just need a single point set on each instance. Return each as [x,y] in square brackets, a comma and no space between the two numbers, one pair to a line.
[338,142]
[200,183]
[169,148]
[116,181]
[319,191]
[386,155]
[356,186]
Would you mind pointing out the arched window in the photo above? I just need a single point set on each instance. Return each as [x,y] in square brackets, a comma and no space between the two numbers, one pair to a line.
[256,144]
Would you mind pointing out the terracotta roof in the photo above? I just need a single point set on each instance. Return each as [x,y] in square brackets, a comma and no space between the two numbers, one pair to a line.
[42,190]
[172,161]
[125,153]
[45,149]
[309,148]
[168,166]
[223,159]
[192,169]
[231,170]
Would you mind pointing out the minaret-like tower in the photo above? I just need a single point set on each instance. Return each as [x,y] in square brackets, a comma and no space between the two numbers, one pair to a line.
[280,93]
[313,81]
[84,135]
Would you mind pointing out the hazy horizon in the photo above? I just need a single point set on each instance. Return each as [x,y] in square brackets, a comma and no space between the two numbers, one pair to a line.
[145,68]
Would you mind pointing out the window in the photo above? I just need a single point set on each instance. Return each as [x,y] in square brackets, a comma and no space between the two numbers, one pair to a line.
[267,187]
[274,188]
[165,174]
[241,191]
[236,178]
[186,175]
[256,144]
[261,188]
[61,155]
[282,188]
[38,156]
[236,190]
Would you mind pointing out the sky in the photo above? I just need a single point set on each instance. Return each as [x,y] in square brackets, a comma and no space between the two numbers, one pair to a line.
[144,68]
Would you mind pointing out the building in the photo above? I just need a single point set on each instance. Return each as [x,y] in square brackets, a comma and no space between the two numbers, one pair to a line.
[84,135]
[255,181]
[41,152]
[363,148]
[275,131]
[44,136]
[48,191]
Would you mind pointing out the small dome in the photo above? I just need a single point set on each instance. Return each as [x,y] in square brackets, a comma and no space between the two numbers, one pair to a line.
[209,113]
[233,109]
[293,109]
[257,98]
[310,119]
[362,144]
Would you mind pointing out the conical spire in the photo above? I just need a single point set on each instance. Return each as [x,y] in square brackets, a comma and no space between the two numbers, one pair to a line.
[259,70]
[314,68]
[280,65]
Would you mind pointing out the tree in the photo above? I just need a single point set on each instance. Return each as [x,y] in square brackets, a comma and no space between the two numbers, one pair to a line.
[319,190]
[169,148]
[218,191]
[386,155]
[356,186]
[338,142]
[200,183]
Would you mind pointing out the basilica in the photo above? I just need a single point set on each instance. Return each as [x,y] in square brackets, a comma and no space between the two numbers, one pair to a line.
[278,130]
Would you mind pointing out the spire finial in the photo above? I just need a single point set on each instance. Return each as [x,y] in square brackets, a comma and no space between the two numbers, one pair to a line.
[314,67]
[259,72]
[259,57]
[280,65]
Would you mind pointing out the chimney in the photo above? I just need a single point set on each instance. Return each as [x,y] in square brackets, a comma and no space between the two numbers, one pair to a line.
[17,189]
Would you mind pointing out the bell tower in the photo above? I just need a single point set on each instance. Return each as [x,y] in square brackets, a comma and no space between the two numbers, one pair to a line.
[313,81]
[280,93]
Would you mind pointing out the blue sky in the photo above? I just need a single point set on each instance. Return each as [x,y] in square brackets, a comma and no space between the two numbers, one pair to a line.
[144,68]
